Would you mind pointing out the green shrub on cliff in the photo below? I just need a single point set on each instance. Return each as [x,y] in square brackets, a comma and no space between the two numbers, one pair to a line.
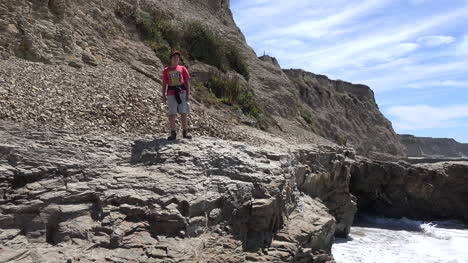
[204,95]
[194,39]
[341,139]
[159,35]
[203,45]
[337,93]
[228,90]
[236,61]
[307,117]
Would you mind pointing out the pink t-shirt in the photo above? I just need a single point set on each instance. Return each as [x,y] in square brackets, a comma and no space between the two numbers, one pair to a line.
[175,76]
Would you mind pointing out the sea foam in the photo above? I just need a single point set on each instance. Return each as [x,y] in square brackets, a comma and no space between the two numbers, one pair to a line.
[384,240]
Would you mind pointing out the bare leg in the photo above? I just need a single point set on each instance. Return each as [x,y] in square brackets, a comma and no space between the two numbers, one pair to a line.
[172,122]
[184,118]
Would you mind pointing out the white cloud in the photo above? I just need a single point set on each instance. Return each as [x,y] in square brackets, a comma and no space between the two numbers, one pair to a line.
[434,41]
[385,40]
[254,13]
[410,118]
[441,83]
[407,72]
[316,28]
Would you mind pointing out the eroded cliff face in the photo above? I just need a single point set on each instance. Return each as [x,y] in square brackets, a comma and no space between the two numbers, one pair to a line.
[205,200]
[345,112]
[78,66]
[424,191]
[433,147]
[85,34]
[73,32]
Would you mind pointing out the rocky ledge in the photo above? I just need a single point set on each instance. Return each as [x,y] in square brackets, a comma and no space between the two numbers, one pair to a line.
[98,197]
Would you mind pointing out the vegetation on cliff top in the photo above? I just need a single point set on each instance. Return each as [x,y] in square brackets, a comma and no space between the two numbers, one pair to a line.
[194,39]
[221,88]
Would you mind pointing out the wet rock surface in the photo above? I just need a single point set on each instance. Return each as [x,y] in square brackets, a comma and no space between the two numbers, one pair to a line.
[125,199]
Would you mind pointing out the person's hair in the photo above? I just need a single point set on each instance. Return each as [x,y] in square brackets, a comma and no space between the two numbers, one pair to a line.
[175,53]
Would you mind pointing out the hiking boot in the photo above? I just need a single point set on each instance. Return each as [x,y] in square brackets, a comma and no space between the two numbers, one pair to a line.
[186,135]
[173,136]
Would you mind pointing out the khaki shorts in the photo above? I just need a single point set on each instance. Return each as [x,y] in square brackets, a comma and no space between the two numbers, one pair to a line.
[175,108]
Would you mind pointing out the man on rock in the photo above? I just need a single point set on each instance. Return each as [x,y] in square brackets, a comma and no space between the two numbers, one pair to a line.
[176,94]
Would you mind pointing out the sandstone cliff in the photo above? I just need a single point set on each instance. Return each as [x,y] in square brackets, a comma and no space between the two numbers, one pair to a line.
[81,170]
[104,34]
[346,112]
[433,147]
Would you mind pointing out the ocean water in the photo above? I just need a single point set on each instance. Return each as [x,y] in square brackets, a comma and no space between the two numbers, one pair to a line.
[383,240]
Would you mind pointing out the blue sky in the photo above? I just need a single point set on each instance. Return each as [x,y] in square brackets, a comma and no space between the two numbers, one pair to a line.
[412,53]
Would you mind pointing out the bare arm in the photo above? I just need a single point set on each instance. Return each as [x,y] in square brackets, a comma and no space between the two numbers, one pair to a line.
[163,91]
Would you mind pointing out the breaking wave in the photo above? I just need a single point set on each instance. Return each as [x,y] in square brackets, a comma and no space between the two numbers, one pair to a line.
[384,240]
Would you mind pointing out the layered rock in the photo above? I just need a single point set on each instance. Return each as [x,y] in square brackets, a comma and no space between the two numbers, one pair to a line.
[345,112]
[152,200]
[120,198]
[425,191]
[73,32]
[433,147]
